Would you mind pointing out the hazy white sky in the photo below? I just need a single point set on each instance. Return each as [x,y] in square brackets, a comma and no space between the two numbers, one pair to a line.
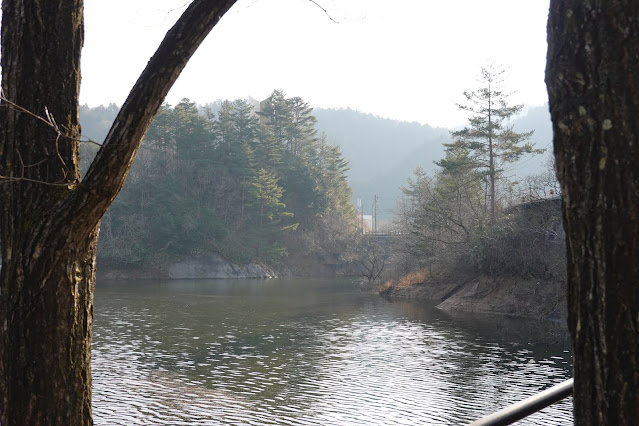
[410,62]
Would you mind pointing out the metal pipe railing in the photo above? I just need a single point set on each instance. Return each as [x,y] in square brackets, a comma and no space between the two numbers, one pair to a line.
[528,406]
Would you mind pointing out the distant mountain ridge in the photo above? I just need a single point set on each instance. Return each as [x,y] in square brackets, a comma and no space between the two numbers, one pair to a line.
[383,153]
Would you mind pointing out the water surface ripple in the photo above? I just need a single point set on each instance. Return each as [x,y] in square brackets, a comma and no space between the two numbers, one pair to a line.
[311,352]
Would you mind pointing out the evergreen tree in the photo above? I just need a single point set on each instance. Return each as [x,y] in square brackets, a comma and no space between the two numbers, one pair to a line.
[228,185]
[246,126]
[161,133]
[268,212]
[193,131]
[237,132]
[331,168]
[301,189]
[223,127]
[289,124]
[276,114]
[301,133]
[488,141]
[269,152]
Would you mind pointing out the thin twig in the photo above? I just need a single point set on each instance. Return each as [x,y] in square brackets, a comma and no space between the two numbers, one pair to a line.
[26,111]
[6,179]
[89,141]
[57,151]
[325,11]
[50,121]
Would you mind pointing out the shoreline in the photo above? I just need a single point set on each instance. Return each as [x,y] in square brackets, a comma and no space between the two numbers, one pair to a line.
[501,295]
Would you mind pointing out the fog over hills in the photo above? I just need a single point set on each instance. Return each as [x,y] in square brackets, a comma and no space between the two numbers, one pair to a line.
[383,153]
[537,119]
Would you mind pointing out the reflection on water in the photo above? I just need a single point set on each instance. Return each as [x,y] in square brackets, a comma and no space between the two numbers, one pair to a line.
[307,352]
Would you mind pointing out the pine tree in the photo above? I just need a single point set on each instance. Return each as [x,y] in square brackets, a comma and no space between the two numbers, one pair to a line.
[268,212]
[301,134]
[276,115]
[330,171]
[193,131]
[237,132]
[488,141]
[269,152]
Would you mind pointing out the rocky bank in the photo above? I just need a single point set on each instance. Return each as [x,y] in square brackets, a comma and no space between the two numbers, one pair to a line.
[526,298]
[204,266]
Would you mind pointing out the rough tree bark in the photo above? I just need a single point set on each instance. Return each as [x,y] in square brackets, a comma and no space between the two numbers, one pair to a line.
[49,219]
[593,85]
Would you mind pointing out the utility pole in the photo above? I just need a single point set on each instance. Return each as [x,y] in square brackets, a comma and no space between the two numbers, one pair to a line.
[373,218]
[375,198]
[361,208]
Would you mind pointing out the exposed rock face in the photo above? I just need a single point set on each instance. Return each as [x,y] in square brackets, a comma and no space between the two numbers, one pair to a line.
[539,299]
[212,265]
[543,300]
[209,265]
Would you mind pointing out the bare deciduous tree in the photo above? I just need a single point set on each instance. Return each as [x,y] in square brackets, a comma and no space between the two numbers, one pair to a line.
[369,256]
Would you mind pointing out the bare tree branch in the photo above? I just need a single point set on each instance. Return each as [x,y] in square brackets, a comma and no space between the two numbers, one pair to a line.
[325,11]
[109,169]
[48,121]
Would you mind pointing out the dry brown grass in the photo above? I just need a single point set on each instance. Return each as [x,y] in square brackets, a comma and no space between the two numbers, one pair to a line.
[407,280]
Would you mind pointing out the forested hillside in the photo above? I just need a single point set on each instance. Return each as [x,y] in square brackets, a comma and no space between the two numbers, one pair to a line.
[251,186]
[205,172]
[382,153]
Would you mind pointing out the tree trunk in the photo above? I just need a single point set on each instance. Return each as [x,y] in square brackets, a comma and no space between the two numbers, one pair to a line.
[47,330]
[48,269]
[593,86]
[49,220]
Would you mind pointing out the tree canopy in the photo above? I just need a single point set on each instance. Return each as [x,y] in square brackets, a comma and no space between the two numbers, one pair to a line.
[227,184]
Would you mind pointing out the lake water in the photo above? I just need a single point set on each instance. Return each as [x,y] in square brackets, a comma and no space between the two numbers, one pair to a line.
[302,352]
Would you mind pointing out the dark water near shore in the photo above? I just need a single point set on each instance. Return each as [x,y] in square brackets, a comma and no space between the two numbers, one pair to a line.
[303,352]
